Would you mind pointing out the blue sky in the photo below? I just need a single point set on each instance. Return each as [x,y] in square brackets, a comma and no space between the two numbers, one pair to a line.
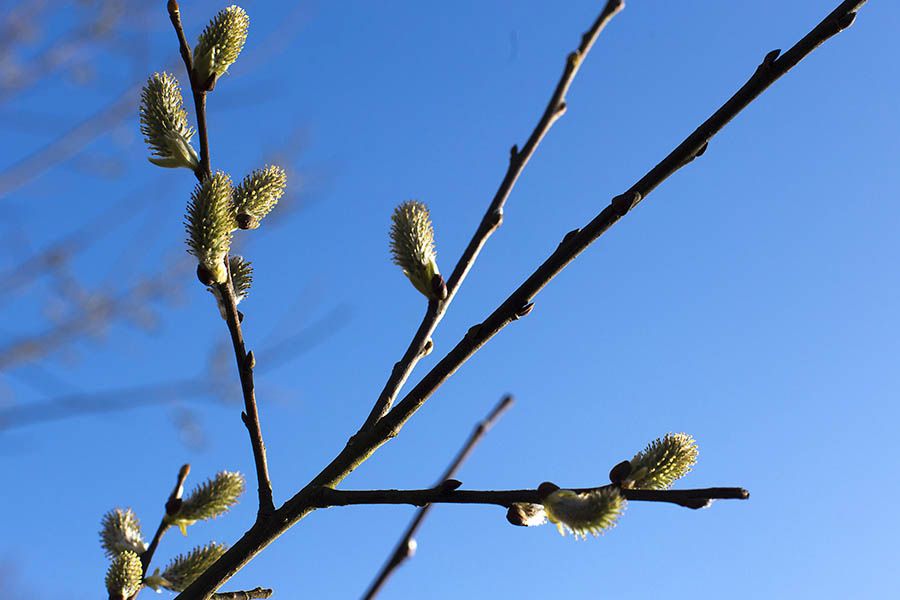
[750,301]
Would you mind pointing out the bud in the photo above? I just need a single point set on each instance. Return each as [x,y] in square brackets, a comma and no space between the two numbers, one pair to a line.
[412,246]
[584,512]
[258,194]
[120,530]
[209,500]
[662,462]
[123,578]
[209,223]
[220,44]
[619,472]
[185,568]
[523,514]
[164,123]
[241,280]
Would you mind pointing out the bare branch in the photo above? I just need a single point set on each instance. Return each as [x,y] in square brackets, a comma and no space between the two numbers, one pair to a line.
[405,546]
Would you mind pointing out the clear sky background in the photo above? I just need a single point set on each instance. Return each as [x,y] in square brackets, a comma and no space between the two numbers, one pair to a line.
[750,301]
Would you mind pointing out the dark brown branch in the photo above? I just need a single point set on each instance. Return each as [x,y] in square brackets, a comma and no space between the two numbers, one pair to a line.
[493,217]
[327,497]
[245,361]
[250,416]
[361,446]
[203,169]
[183,46]
[173,504]
[405,548]
[244,595]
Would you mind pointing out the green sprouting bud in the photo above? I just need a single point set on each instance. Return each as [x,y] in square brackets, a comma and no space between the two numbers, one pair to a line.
[120,530]
[584,512]
[524,514]
[241,280]
[164,123]
[124,575]
[258,194]
[412,245]
[220,44]
[209,223]
[185,568]
[662,462]
[209,499]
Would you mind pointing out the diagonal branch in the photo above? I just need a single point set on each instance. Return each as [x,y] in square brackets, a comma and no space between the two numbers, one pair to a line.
[576,241]
[245,360]
[364,444]
[406,546]
[492,219]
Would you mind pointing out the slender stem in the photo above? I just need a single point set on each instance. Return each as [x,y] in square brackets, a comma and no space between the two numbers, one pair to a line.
[183,47]
[328,497]
[405,547]
[250,416]
[204,170]
[493,217]
[364,444]
[245,362]
[173,503]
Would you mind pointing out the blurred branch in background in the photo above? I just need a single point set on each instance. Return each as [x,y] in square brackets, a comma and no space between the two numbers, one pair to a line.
[407,545]
[48,47]
[207,387]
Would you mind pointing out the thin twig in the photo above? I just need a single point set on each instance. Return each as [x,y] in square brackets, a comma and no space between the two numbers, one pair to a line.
[244,595]
[250,416]
[245,360]
[493,217]
[364,444]
[173,504]
[327,497]
[406,546]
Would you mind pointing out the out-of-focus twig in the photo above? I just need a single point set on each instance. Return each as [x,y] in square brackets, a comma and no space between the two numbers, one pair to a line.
[406,547]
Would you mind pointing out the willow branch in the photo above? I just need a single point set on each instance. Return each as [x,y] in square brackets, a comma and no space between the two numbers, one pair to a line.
[405,547]
[245,360]
[361,446]
[327,497]
[493,217]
